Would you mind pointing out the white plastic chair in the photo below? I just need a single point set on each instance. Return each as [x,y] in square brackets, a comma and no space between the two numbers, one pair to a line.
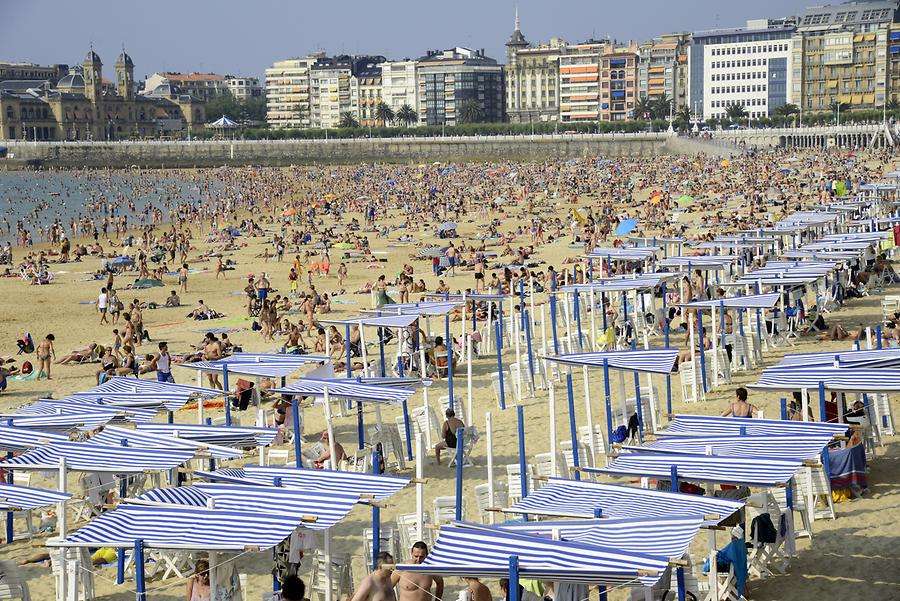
[483,500]
[514,483]
[12,584]
[407,528]
[387,541]
[445,510]
[763,558]
[470,438]
[584,456]
[341,580]
[278,457]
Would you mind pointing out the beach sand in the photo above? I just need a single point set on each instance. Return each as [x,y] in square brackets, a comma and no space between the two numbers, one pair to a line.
[852,557]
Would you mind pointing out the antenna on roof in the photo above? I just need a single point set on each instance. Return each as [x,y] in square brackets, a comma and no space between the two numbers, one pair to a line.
[517,18]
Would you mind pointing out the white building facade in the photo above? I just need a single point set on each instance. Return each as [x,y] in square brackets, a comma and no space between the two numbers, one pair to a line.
[398,84]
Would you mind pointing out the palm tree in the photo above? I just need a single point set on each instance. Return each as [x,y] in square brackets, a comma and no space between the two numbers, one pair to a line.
[836,106]
[660,107]
[643,108]
[348,120]
[683,114]
[786,110]
[407,114]
[470,112]
[384,113]
[893,105]
[736,111]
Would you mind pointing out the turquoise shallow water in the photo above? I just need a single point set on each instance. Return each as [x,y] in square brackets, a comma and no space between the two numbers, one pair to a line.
[37,199]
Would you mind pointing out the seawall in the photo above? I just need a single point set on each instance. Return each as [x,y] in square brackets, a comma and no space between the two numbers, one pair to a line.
[171,154]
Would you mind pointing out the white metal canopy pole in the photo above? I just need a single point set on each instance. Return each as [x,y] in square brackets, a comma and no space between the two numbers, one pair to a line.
[554,468]
[200,399]
[362,346]
[589,414]
[329,592]
[467,340]
[489,433]
[693,356]
[420,488]
[543,369]
[61,527]
[517,334]
[593,321]
[715,349]
[654,417]
[330,426]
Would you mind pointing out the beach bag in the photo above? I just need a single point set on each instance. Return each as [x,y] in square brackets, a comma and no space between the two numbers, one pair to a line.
[27,368]
[619,434]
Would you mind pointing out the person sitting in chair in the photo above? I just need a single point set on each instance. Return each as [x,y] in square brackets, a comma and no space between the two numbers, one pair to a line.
[448,433]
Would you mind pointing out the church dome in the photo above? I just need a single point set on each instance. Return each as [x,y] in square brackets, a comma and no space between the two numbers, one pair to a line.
[92,58]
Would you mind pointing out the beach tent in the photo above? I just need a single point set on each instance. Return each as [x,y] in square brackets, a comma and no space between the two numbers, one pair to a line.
[377,487]
[791,447]
[21,498]
[84,421]
[229,436]
[113,435]
[86,457]
[707,425]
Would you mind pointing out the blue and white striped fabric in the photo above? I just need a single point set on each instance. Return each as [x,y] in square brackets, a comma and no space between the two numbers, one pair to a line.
[265,365]
[229,436]
[834,378]
[834,255]
[62,407]
[613,285]
[387,321]
[708,425]
[430,308]
[344,390]
[665,537]
[749,471]
[655,361]
[752,301]
[15,498]
[320,510]
[579,498]
[415,383]
[134,392]
[701,261]
[20,439]
[112,436]
[84,457]
[864,359]
[365,486]
[185,527]
[234,475]
[169,402]
[782,447]
[84,421]
[483,552]
[624,253]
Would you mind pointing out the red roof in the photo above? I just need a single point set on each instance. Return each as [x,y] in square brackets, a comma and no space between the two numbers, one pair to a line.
[194,77]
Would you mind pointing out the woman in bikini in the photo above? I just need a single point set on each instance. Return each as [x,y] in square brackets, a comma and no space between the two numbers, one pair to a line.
[740,408]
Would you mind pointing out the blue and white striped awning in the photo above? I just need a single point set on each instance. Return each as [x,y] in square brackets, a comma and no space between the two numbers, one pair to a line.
[622,285]
[184,527]
[749,471]
[833,255]
[834,378]
[229,436]
[662,536]
[265,365]
[85,457]
[781,447]
[699,262]
[20,439]
[66,406]
[482,552]
[708,425]
[624,253]
[112,436]
[863,359]
[17,498]
[84,421]
[429,308]
[751,301]
[366,486]
[134,392]
[415,383]
[655,361]
[319,510]
[387,321]
[579,498]
[345,390]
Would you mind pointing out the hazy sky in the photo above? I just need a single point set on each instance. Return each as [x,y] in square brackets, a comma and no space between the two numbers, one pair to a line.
[241,37]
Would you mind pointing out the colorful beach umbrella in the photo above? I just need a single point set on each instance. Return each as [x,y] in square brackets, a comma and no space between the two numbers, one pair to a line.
[685,200]
[626,227]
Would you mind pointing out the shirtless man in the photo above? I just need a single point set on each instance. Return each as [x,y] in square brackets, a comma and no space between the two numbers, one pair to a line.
[475,591]
[212,352]
[44,351]
[415,586]
[377,586]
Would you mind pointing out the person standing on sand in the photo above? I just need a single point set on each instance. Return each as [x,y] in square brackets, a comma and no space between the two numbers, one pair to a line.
[183,277]
[377,586]
[44,351]
[103,305]
[414,586]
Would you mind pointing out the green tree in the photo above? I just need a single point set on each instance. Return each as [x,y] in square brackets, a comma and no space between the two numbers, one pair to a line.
[893,104]
[643,108]
[384,113]
[348,120]
[786,110]
[223,105]
[736,111]
[470,112]
[660,107]
[407,115]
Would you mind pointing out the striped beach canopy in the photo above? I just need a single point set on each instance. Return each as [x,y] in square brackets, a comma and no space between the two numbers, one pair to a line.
[415,383]
[17,498]
[387,321]
[834,378]
[319,510]
[234,475]
[863,359]
[84,421]
[85,457]
[166,401]
[834,255]
[579,498]
[365,486]
[751,301]
[135,392]
[429,308]
[654,361]
[699,261]
[482,552]
[613,285]
[64,406]
[345,390]
[782,447]
[708,425]
[265,365]
[20,439]
[663,536]
[229,436]
[113,435]
[625,253]
[184,527]
[749,471]
[458,297]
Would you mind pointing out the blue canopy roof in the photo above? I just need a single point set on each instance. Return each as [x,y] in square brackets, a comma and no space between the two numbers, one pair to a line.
[867,359]
[782,447]
[708,425]
[342,389]
[461,550]
[84,421]
[752,301]
[86,457]
[112,436]
[229,436]
[579,498]
[385,321]
[834,378]
[657,361]
[19,439]
[15,498]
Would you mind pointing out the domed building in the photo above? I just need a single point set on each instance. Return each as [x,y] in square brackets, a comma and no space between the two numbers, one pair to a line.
[84,106]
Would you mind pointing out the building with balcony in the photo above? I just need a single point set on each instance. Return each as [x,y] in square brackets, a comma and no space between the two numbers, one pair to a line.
[205,86]
[399,87]
[845,53]
[746,66]
[618,81]
[288,92]
[531,76]
[243,88]
[662,69]
[366,89]
[579,81]
[459,85]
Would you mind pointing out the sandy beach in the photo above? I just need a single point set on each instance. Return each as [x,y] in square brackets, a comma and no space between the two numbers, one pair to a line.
[852,557]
